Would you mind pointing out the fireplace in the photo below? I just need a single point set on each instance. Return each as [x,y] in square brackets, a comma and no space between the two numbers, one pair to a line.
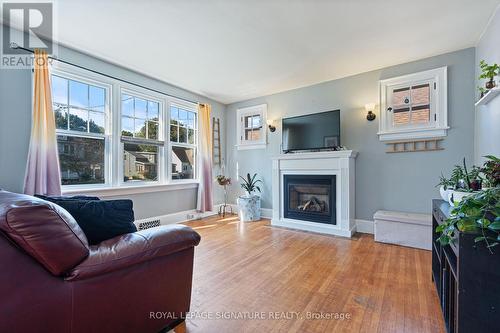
[310,198]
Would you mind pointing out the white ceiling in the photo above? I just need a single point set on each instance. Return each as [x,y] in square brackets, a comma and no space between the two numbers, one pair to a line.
[235,50]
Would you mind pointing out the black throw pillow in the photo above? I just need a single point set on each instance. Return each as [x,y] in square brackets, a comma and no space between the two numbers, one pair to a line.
[99,219]
[54,198]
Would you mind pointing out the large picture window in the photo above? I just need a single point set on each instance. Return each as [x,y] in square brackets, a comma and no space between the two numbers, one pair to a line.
[81,111]
[112,133]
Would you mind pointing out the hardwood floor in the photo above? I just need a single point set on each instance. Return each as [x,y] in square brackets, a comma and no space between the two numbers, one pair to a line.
[259,271]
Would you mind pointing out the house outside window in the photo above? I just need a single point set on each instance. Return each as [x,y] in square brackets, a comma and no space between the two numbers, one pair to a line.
[251,128]
[414,106]
[81,111]
[141,124]
[183,141]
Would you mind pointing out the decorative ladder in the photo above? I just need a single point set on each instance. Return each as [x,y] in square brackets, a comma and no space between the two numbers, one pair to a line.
[216,141]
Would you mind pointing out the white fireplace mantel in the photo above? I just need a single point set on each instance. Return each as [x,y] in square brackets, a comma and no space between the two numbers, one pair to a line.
[338,163]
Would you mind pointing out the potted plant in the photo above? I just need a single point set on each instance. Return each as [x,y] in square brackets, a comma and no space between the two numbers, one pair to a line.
[475,179]
[479,213]
[445,185]
[482,91]
[488,72]
[249,204]
[461,179]
[491,171]
[224,182]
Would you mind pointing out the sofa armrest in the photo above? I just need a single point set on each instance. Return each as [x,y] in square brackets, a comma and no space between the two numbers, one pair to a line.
[130,249]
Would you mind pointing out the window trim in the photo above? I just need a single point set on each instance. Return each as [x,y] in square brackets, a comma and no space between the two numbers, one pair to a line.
[260,109]
[438,106]
[114,185]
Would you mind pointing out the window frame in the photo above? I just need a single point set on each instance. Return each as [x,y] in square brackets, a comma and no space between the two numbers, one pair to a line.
[438,107]
[75,74]
[113,159]
[191,107]
[241,113]
[160,143]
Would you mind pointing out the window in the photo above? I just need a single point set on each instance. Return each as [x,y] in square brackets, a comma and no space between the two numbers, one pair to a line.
[414,106]
[141,137]
[251,129]
[183,139]
[81,114]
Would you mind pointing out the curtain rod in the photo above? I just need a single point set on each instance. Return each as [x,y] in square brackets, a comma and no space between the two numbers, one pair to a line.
[15,46]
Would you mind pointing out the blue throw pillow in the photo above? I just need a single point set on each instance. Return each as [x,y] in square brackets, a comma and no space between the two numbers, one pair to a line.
[99,219]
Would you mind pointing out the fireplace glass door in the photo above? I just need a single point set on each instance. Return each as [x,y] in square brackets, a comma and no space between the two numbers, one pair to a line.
[310,198]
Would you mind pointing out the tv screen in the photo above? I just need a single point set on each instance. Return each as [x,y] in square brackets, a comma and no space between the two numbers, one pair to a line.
[312,131]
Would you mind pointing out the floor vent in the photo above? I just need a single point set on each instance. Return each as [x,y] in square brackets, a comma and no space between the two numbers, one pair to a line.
[148,224]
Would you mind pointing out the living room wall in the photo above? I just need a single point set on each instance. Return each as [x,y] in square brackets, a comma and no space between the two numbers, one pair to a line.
[401,182]
[487,124]
[15,127]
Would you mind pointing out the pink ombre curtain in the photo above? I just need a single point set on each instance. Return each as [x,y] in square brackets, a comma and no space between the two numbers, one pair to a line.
[42,170]
[205,200]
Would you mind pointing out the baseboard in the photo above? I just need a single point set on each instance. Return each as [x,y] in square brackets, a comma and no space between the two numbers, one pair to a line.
[364,226]
[178,217]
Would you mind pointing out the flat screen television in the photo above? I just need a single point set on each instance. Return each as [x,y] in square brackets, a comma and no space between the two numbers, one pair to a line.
[311,132]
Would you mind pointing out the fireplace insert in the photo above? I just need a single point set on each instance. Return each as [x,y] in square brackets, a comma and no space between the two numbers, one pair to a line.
[310,198]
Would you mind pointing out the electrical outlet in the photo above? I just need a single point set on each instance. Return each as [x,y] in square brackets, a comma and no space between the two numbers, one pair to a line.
[190,216]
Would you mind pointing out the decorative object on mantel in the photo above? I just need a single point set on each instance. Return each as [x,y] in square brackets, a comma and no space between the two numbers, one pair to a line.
[413,146]
[249,204]
[217,155]
[370,107]
[224,208]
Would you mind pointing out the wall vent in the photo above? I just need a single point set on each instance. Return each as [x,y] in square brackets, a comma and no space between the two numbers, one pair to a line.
[148,224]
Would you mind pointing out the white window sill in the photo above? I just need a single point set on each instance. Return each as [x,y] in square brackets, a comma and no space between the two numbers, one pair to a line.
[424,133]
[126,190]
[251,146]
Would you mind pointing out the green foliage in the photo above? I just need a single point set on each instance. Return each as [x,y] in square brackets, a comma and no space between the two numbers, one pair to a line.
[250,183]
[488,71]
[491,170]
[479,213]
[445,182]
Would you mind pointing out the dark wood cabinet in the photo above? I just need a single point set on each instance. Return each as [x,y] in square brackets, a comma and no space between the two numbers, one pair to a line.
[467,279]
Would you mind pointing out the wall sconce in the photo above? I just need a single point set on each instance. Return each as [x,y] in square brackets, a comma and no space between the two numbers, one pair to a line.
[369,108]
[270,124]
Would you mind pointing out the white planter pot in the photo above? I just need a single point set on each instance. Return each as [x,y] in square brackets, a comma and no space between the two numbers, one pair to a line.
[444,193]
[457,196]
[249,208]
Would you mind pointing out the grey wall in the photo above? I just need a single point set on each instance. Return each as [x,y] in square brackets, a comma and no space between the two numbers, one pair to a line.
[15,127]
[401,182]
[487,124]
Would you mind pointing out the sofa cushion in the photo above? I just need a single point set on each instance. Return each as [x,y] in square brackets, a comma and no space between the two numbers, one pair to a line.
[44,230]
[100,219]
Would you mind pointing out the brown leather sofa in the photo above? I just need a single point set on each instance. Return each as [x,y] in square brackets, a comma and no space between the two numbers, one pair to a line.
[51,280]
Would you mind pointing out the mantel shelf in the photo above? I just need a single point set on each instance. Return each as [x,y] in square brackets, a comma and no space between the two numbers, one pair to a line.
[488,96]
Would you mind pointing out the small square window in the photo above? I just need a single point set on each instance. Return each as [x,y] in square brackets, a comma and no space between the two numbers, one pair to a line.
[414,106]
[251,131]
